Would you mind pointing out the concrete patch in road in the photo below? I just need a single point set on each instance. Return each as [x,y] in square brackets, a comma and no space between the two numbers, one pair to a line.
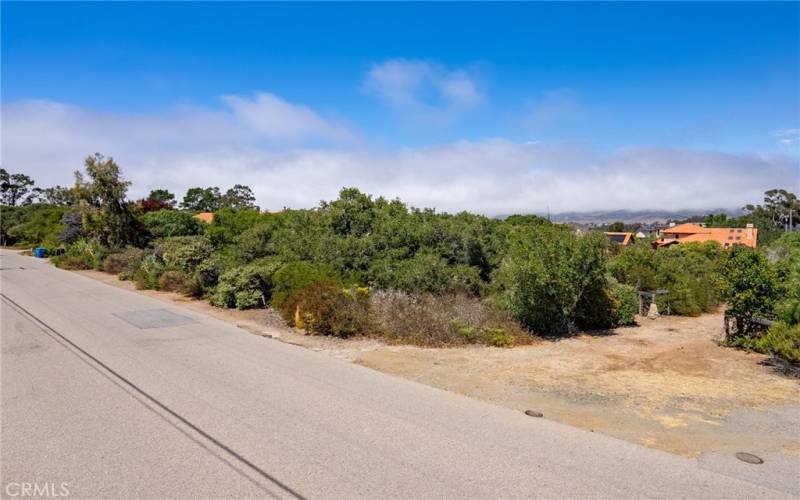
[154,318]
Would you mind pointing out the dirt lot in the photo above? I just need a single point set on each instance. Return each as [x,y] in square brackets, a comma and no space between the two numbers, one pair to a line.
[666,383]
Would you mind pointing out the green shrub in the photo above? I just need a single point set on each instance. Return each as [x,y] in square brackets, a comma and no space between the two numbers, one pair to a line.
[326,309]
[146,276]
[37,224]
[748,284]
[170,281]
[781,340]
[548,273]
[229,223]
[497,337]
[628,301]
[297,275]
[687,271]
[426,272]
[788,311]
[245,287]
[184,253]
[166,223]
[126,261]
[84,254]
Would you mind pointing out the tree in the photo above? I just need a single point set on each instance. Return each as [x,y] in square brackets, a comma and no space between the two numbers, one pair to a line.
[17,189]
[239,196]
[546,273]
[58,195]
[202,199]
[716,220]
[105,212]
[748,284]
[163,196]
[163,223]
[776,207]
[616,227]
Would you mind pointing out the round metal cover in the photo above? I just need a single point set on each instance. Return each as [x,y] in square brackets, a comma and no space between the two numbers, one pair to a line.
[749,458]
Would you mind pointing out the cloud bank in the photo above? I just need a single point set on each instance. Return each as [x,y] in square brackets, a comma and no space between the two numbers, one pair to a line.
[293,157]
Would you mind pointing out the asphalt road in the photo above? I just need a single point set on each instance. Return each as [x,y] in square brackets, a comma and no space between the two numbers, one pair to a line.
[184,405]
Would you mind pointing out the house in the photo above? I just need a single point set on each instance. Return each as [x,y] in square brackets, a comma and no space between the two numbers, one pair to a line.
[697,233]
[206,217]
[622,239]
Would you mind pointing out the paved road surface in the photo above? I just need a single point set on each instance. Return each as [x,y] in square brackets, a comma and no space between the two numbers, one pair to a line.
[184,405]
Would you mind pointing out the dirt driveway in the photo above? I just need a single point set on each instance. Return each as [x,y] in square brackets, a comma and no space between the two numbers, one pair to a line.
[665,384]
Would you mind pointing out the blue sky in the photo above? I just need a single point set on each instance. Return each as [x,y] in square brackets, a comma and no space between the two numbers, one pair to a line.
[442,104]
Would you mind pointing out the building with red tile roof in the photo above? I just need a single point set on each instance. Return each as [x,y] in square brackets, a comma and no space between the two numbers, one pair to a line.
[698,233]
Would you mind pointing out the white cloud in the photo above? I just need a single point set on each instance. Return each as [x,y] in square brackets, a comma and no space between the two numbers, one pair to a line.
[271,116]
[423,89]
[201,147]
[788,137]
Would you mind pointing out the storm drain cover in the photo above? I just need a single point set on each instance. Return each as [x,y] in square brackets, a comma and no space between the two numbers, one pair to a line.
[749,458]
[153,318]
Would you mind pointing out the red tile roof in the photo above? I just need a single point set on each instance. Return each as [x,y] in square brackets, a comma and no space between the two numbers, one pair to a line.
[206,217]
[725,236]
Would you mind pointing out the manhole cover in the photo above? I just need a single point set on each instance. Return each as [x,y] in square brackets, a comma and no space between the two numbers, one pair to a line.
[749,458]
[153,318]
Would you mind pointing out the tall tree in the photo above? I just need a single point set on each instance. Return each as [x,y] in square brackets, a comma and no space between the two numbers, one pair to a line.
[202,199]
[58,195]
[239,196]
[777,205]
[17,189]
[105,211]
[163,196]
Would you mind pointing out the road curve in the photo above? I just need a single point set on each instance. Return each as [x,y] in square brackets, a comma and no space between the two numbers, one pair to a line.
[115,394]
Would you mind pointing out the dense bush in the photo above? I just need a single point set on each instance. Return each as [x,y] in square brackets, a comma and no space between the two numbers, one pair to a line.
[31,225]
[171,281]
[748,284]
[426,272]
[164,223]
[442,320]
[247,286]
[295,276]
[125,262]
[229,223]
[324,308]
[184,253]
[607,304]
[147,275]
[84,254]
[687,271]
[781,340]
[547,274]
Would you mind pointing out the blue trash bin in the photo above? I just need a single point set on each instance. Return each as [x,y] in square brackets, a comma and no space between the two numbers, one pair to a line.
[40,252]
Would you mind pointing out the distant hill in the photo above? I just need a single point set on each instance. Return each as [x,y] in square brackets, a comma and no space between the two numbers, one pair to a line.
[630,216]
